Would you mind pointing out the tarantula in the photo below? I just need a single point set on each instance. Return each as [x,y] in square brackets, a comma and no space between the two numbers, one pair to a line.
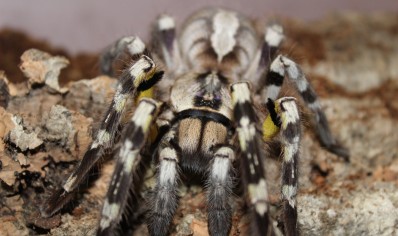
[202,119]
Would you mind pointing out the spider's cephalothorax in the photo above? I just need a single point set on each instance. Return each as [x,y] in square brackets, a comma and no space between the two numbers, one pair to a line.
[209,121]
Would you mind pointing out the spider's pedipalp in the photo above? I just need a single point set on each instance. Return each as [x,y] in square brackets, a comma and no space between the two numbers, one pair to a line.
[219,189]
[251,159]
[140,76]
[290,140]
[133,139]
[164,201]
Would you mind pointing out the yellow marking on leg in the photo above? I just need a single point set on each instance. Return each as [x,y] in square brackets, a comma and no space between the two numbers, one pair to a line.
[269,128]
[145,94]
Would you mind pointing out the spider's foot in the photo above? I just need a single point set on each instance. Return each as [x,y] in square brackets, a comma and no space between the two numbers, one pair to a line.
[339,150]
[56,201]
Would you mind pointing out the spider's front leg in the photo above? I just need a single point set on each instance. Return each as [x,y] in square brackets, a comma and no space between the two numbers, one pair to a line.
[133,139]
[140,76]
[130,44]
[251,159]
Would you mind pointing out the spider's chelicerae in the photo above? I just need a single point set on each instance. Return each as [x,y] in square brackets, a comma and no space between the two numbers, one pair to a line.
[209,114]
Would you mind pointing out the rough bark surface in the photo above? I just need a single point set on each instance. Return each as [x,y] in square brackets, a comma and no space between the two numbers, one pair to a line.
[351,60]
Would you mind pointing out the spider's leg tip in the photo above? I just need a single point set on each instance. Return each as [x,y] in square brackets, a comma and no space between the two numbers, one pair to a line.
[340,151]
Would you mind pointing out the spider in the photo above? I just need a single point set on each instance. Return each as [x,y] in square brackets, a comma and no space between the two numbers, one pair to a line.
[203,118]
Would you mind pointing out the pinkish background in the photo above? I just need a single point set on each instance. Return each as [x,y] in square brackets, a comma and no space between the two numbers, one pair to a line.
[90,25]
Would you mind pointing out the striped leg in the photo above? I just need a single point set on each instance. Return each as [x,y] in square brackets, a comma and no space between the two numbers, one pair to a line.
[283,65]
[273,37]
[166,42]
[251,159]
[165,197]
[309,96]
[133,45]
[141,76]
[133,139]
[290,140]
[219,187]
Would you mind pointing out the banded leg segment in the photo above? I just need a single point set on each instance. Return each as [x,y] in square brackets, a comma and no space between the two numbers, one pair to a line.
[165,196]
[133,139]
[130,44]
[273,37]
[219,189]
[309,96]
[166,41]
[290,140]
[251,159]
[141,76]
[282,66]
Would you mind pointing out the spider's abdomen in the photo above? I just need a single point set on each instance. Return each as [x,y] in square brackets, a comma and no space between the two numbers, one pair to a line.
[217,39]
[197,137]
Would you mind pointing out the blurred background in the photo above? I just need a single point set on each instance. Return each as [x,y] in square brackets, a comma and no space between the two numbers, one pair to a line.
[90,25]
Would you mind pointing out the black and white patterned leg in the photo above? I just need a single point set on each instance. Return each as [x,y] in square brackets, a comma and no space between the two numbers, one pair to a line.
[282,66]
[166,42]
[130,44]
[133,139]
[219,188]
[251,159]
[273,37]
[290,140]
[295,73]
[140,76]
[165,196]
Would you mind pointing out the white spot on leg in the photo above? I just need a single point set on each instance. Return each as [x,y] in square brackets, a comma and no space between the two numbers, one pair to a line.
[168,172]
[69,183]
[274,35]
[225,26]
[128,156]
[292,69]
[290,149]
[221,165]
[143,115]
[302,85]
[166,22]
[258,195]
[136,46]
[272,92]
[246,132]
[168,166]
[289,193]
[109,213]
[290,113]
[102,138]
[277,66]
[241,93]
